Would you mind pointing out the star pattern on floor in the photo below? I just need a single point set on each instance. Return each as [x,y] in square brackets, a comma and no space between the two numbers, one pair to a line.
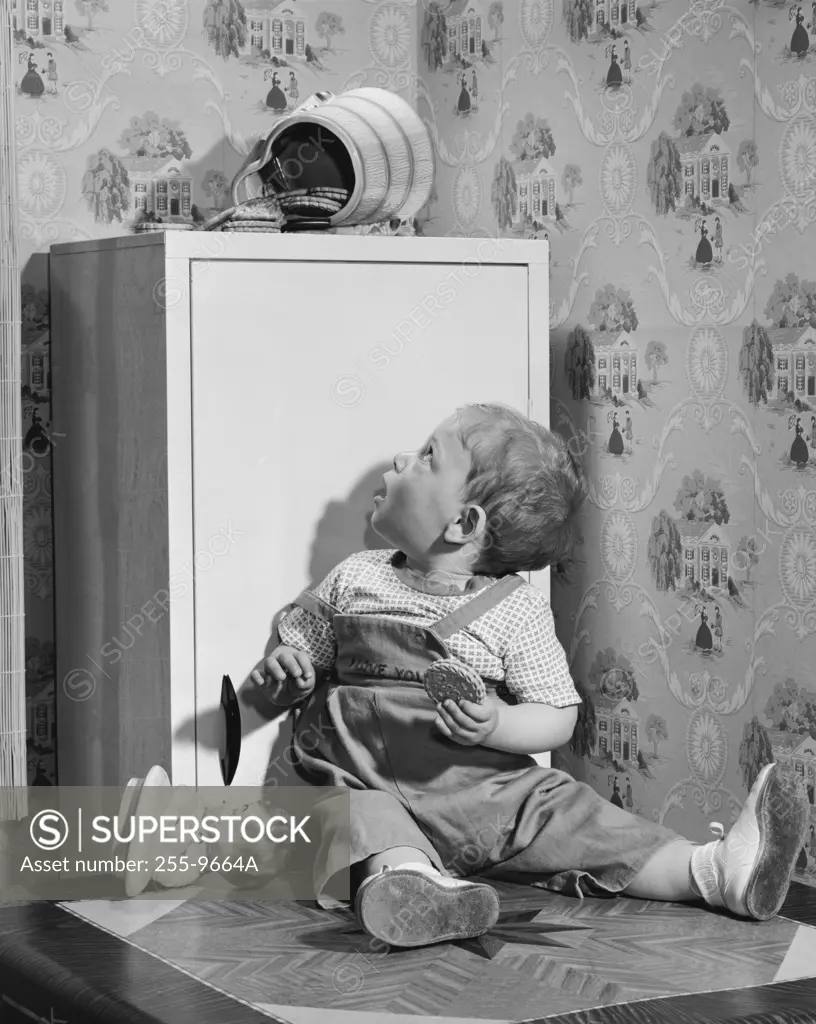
[522,928]
[514,927]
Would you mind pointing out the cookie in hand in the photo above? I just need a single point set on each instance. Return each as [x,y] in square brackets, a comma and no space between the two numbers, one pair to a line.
[450,679]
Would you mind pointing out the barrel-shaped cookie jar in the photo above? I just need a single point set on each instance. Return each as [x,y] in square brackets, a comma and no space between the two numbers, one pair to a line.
[368,142]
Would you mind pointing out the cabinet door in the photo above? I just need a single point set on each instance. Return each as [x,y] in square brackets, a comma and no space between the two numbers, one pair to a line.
[307,378]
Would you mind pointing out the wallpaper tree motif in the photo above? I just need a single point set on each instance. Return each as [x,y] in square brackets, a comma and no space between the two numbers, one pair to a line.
[667,151]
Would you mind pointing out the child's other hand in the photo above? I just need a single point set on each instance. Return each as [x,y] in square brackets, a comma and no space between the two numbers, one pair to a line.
[467,723]
[289,670]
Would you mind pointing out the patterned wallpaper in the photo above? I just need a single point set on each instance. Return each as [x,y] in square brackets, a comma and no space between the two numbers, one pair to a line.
[667,150]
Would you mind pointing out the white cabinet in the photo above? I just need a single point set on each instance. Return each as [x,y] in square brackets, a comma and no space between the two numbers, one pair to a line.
[229,405]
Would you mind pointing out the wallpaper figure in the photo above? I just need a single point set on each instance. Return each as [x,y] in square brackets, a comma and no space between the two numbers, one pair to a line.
[718,239]
[41,777]
[813,432]
[703,640]
[615,445]
[627,60]
[292,91]
[799,449]
[31,84]
[36,440]
[613,75]
[800,43]
[718,629]
[803,861]
[275,98]
[616,796]
[53,77]
[463,105]
[474,87]
[703,254]
[628,433]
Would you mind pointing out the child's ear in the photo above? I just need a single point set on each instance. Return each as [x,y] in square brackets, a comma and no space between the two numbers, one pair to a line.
[454,533]
[468,526]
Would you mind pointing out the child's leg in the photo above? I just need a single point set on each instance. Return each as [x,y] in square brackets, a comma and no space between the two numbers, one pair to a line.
[400,889]
[666,875]
[579,844]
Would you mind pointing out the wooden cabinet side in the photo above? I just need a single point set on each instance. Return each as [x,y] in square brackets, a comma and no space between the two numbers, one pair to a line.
[109,377]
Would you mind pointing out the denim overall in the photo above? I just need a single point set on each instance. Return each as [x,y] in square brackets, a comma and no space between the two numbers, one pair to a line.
[470,810]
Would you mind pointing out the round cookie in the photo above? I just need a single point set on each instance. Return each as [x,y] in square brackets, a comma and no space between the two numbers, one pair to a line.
[449,679]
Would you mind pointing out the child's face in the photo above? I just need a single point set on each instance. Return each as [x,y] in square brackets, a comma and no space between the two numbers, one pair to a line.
[423,492]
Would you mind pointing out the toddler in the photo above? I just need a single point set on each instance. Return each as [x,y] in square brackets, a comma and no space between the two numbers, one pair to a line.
[442,792]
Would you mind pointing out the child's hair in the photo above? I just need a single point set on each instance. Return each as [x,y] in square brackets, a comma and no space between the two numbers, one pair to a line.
[529,485]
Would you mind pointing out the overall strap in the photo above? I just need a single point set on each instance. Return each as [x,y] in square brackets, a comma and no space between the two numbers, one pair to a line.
[309,601]
[477,606]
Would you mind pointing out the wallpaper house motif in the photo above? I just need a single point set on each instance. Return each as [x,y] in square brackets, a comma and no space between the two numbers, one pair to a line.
[667,151]
[42,19]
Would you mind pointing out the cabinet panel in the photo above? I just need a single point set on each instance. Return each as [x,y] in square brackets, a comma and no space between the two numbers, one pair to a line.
[306,379]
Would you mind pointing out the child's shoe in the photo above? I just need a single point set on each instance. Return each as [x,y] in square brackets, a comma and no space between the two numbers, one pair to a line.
[414,905]
[748,871]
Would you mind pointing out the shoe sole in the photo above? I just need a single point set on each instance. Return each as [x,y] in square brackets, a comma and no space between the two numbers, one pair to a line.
[783,815]
[407,908]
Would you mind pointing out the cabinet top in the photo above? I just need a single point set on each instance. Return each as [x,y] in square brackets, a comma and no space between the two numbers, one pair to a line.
[213,245]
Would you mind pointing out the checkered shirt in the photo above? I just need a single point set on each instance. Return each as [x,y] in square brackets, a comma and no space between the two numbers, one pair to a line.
[513,643]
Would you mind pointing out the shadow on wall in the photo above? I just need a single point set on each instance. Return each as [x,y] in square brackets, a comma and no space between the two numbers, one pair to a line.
[343,529]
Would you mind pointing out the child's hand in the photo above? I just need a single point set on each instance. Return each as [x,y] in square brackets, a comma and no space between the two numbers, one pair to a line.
[288,671]
[467,723]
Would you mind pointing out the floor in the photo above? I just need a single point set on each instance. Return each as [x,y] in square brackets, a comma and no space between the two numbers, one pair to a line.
[550,958]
